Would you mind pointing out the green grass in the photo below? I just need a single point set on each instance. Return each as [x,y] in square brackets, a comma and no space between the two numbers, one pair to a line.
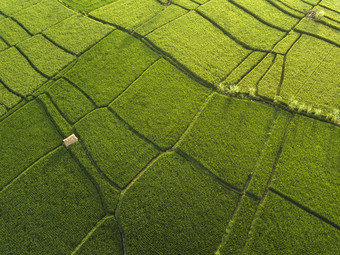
[287,230]
[200,46]
[303,61]
[54,205]
[177,205]
[110,195]
[47,57]
[7,98]
[2,110]
[228,137]
[161,103]
[86,5]
[278,4]
[60,122]
[111,66]
[266,163]
[271,80]
[11,32]
[183,3]
[250,62]
[3,45]
[118,152]
[128,13]
[72,102]
[283,46]
[167,15]
[298,5]
[331,4]
[325,96]
[40,16]
[17,73]
[319,29]
[105,239]
[308,169]
[268,13]
[236,236]
[253,77]
[228,16]
[26,136]
[77,33]
[13,6]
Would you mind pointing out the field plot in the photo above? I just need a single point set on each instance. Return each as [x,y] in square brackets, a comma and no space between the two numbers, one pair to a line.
[230,151]
[17,73]
[27,128]
[53,197]
[200,46]
[111,66]
[161,103]
[308,169]
[77,33]
[286,229]
[177,205]
[118,151]
[203,126]
[47,57]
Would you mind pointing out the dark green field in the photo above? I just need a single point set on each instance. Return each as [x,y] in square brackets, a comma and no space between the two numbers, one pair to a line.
[203,126]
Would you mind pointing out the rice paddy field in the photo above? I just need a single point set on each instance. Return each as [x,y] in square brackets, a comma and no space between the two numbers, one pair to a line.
[203,126]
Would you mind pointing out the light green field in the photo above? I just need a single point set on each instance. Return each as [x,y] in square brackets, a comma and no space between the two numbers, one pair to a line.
[203,126]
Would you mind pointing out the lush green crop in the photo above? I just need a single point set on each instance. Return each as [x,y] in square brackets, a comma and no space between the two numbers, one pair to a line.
[70,100]
[128,13]
[161,103]
[266,163]
[335,5]
[228,16]
[7,98]
[26,136]
[237,231]
[298,5]
[108,193]
[42,15]
[77,33]
[45,56]
[116,149]
[228,137]
[11,32]
[179,206]
[86,5]
[162,18]
[200,46]
[54,206]
[104,240]
[13,6]
[283,46]
[108,68]
[17,73]
[268,13]
[253,77]
[270,82]
[308,169]
[250,62]
[287,229]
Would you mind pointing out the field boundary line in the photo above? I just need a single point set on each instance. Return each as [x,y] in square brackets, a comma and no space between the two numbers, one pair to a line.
[29,167]
[305,208]
[32,64]
[93,162]
[228,34]
[57,45]
[246,185]
[80,90]
[134,131]
[91,178]
[317,36]
[264,195]
[265,72]
[145,70]
[255,16]
[11,90]
[88,235]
